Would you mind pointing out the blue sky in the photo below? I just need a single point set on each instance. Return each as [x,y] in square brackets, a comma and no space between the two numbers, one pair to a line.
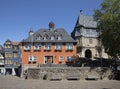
[18,16]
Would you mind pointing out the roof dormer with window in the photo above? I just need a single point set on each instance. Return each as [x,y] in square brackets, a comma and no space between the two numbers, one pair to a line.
[39,37]
[52,37]
[45,37]
[59,37]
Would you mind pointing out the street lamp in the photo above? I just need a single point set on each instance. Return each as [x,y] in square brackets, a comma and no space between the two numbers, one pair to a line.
[31,41]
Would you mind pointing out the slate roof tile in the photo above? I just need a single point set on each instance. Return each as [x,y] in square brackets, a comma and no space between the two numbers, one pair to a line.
[46,32]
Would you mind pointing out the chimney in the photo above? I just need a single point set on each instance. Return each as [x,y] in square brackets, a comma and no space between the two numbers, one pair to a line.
[51,26]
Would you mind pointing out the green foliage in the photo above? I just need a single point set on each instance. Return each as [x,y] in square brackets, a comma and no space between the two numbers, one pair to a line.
[108,17]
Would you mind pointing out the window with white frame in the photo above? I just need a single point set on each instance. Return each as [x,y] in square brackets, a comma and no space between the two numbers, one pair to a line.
[32,58]
[69,46]
[48,59]
[27,47]
[69,58]
[58,46]
[45,60]
[47,46]
[37,46]
[61,58]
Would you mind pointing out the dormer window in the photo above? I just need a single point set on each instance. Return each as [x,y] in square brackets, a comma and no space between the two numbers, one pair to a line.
[38,37]
[55,31]
[59,36]
[52,37]
[45,37]
[44,32]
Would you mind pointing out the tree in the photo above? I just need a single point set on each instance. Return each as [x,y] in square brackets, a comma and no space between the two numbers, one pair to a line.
[108,18]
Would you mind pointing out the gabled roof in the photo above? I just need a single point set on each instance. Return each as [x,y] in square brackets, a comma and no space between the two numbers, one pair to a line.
[48,33]
[9,42]
[86,21]
[15,43]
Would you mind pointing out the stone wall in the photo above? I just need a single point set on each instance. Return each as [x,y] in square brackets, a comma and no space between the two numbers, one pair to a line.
[60,73]
[24,68]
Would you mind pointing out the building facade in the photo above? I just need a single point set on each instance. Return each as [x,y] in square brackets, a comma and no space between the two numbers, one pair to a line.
[87,36]
[12,57]
[1,60]
[48,46]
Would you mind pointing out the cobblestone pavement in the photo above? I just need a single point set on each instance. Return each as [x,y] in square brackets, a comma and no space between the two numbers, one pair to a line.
[10,82]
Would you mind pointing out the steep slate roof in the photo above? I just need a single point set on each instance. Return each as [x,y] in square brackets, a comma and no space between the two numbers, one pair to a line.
[49,33]
[86,21]
[11,42]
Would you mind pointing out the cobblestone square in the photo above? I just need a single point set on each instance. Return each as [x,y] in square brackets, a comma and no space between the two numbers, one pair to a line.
[11,82]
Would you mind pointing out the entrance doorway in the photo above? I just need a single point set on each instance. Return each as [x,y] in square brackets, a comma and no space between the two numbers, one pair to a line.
[48,59]
[88,53]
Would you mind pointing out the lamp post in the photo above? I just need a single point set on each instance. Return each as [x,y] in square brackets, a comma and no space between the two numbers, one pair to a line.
[31,41]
